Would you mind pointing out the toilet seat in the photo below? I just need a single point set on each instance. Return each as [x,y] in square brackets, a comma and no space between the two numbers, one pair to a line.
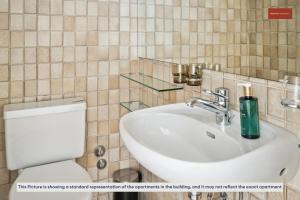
[64,171]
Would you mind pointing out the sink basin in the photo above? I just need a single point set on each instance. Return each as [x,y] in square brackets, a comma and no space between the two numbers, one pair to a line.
[183,144]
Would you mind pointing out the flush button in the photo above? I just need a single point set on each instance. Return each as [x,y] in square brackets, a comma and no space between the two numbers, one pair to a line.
[99,151]
[101,164]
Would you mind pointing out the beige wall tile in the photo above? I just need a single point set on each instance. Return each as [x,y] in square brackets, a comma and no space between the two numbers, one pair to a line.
[30,88]
[81,69]
[56,38]
[56,70]
[3,89]
[3,55]
[81,23]
[30,6]
[81,38]
[113,82]
[103,113]
[80,84]
[16,21]
[43,87]
[56,86]
[16,89]
[56,54]
[3,21]
[92,8]
[57,23]
[92,23]
[92,68]
[92,38]
[103,127]
[30,39]
[81,54]
[91,143]
[103,97]
[43,55]
[4,6]
[69,7]
[17,73]
[4,39]
[114,111]
[114,143]
[69,23]
[17,39]
[68,85]
[92,128]
[92,83]
[30,71]
[43,22]
[43,71]
[114,126]
[69,69]
[43,38]
[3,73]
[68,38]
[114,155]
[16,6]
[68,54]
[56,7]
[91,160]
[92,99]
[81,8]
[16,56]
[30,55]
[113,96]
[44,6]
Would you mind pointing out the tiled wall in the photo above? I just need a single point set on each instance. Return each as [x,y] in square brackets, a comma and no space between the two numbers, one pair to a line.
[194,31]
[235,33]
[269,94]
[64,48]
[274,44]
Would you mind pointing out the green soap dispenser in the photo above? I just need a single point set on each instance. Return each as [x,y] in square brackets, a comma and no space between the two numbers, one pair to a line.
[249,113]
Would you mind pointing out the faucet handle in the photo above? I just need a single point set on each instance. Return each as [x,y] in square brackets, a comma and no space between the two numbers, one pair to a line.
[223,98]
[220,92]
[223,92]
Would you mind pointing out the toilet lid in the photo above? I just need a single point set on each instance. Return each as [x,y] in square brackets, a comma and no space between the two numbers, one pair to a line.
[65,171]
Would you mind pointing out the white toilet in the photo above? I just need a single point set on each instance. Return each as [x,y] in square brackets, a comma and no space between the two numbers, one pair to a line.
[42,139]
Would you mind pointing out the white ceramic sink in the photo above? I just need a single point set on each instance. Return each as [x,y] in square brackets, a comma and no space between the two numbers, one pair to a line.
[183,144]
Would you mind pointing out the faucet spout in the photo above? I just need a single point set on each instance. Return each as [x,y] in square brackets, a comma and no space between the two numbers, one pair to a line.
[209,105]
[220,107]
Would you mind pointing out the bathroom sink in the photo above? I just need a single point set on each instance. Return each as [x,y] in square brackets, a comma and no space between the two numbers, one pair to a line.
[183,144]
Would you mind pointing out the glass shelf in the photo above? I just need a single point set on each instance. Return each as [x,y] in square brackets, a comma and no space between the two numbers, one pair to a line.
[153,83]
[134,105]
[290,103]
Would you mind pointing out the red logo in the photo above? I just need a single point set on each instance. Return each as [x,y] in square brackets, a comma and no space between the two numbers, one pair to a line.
[280,13]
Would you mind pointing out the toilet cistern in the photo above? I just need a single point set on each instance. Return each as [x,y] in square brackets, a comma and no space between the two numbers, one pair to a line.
[42,139]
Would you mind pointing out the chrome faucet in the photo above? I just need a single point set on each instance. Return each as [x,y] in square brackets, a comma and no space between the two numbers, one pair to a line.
[220,106]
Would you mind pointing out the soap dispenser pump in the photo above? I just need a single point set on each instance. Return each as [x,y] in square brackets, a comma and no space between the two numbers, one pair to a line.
[249,113]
